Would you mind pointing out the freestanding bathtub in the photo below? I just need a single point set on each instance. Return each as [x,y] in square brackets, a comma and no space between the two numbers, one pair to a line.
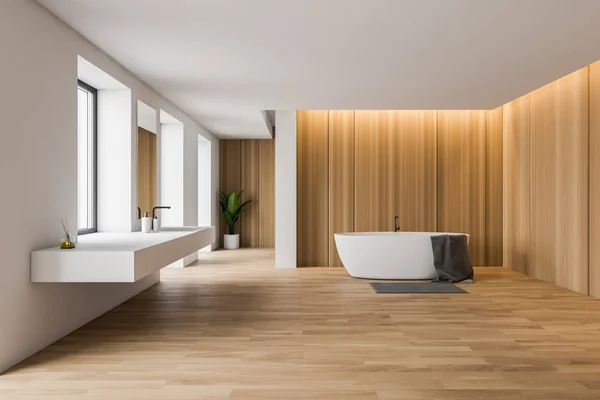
[388,255]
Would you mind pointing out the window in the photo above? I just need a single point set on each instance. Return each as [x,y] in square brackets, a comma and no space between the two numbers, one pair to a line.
[86,157]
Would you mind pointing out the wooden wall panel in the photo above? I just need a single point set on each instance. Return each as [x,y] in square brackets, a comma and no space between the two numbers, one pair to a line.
[559,182]
[313,188]
[571,270]
[230,173]
[374,184]
[341,178]
[414,158]
[594,206]
[402,166]
[461,177]
[250,165]
[516,190]
[146,172]
[266,193]
[250,184]
[544,170]
[493,187]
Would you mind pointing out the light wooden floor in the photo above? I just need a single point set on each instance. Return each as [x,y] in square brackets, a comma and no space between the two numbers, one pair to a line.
[233,327]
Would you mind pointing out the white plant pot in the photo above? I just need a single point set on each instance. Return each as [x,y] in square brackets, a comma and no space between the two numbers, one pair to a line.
[231,242]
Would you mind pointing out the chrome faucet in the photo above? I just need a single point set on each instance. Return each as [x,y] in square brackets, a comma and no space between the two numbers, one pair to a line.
[396,227]
[159,207]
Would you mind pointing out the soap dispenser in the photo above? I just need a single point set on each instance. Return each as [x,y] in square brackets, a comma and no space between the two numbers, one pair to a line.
[146,223]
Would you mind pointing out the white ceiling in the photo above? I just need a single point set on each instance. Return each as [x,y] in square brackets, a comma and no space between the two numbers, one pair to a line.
[223,61]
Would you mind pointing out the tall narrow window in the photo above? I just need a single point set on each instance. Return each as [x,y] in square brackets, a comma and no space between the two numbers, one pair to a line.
[86,157]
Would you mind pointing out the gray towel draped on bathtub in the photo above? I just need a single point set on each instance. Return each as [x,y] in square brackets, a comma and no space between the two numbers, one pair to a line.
[451,258]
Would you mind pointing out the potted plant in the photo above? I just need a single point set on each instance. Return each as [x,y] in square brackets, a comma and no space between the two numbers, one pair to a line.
[231,208]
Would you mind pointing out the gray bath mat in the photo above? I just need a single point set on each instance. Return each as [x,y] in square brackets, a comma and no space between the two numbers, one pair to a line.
[415,287]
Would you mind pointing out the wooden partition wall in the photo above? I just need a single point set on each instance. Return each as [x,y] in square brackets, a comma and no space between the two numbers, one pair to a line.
[146,172]
[434,170]
[594,180]
[551,168]
[250,165]
[461,173]
[341,177]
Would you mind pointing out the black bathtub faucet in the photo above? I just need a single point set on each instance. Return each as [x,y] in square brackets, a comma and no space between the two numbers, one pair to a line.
[396,227]
[159,207]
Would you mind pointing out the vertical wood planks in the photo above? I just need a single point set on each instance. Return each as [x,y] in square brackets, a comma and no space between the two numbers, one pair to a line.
[341,178]
[266,193]
[461,177]
[493,187]
[516,175]
[414,135]
[146,171]
[250,171]
[313,188]
[594,178]
[374,184]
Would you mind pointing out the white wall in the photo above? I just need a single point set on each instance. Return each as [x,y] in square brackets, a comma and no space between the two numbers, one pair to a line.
[285,189]
[38,174]
[180,182]
[204,184]
[171,174]
[190,185]
[146,117]
[205,203]
[190,178]
[115,161]
[214,185]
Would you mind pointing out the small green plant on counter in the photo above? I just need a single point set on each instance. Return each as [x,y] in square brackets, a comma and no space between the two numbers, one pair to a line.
[231,208]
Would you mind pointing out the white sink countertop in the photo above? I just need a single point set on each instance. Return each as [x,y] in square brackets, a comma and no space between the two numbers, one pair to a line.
[129,241]
[118,257]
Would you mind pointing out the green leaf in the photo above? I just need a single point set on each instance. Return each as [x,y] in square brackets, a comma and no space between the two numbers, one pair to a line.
[233,204]
[222,197]
[223,201]
[228,219]
[244,204]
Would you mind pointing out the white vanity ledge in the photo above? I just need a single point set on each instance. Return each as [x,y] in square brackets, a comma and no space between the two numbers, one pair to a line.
[118,257]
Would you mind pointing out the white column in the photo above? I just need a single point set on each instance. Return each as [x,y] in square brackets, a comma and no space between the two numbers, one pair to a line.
[214,184]
[204,183]
[190,184]
[115,162]
[171,174]
[179,179]
[285,189]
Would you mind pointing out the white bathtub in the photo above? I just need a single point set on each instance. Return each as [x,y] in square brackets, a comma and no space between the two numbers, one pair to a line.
[388,255]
